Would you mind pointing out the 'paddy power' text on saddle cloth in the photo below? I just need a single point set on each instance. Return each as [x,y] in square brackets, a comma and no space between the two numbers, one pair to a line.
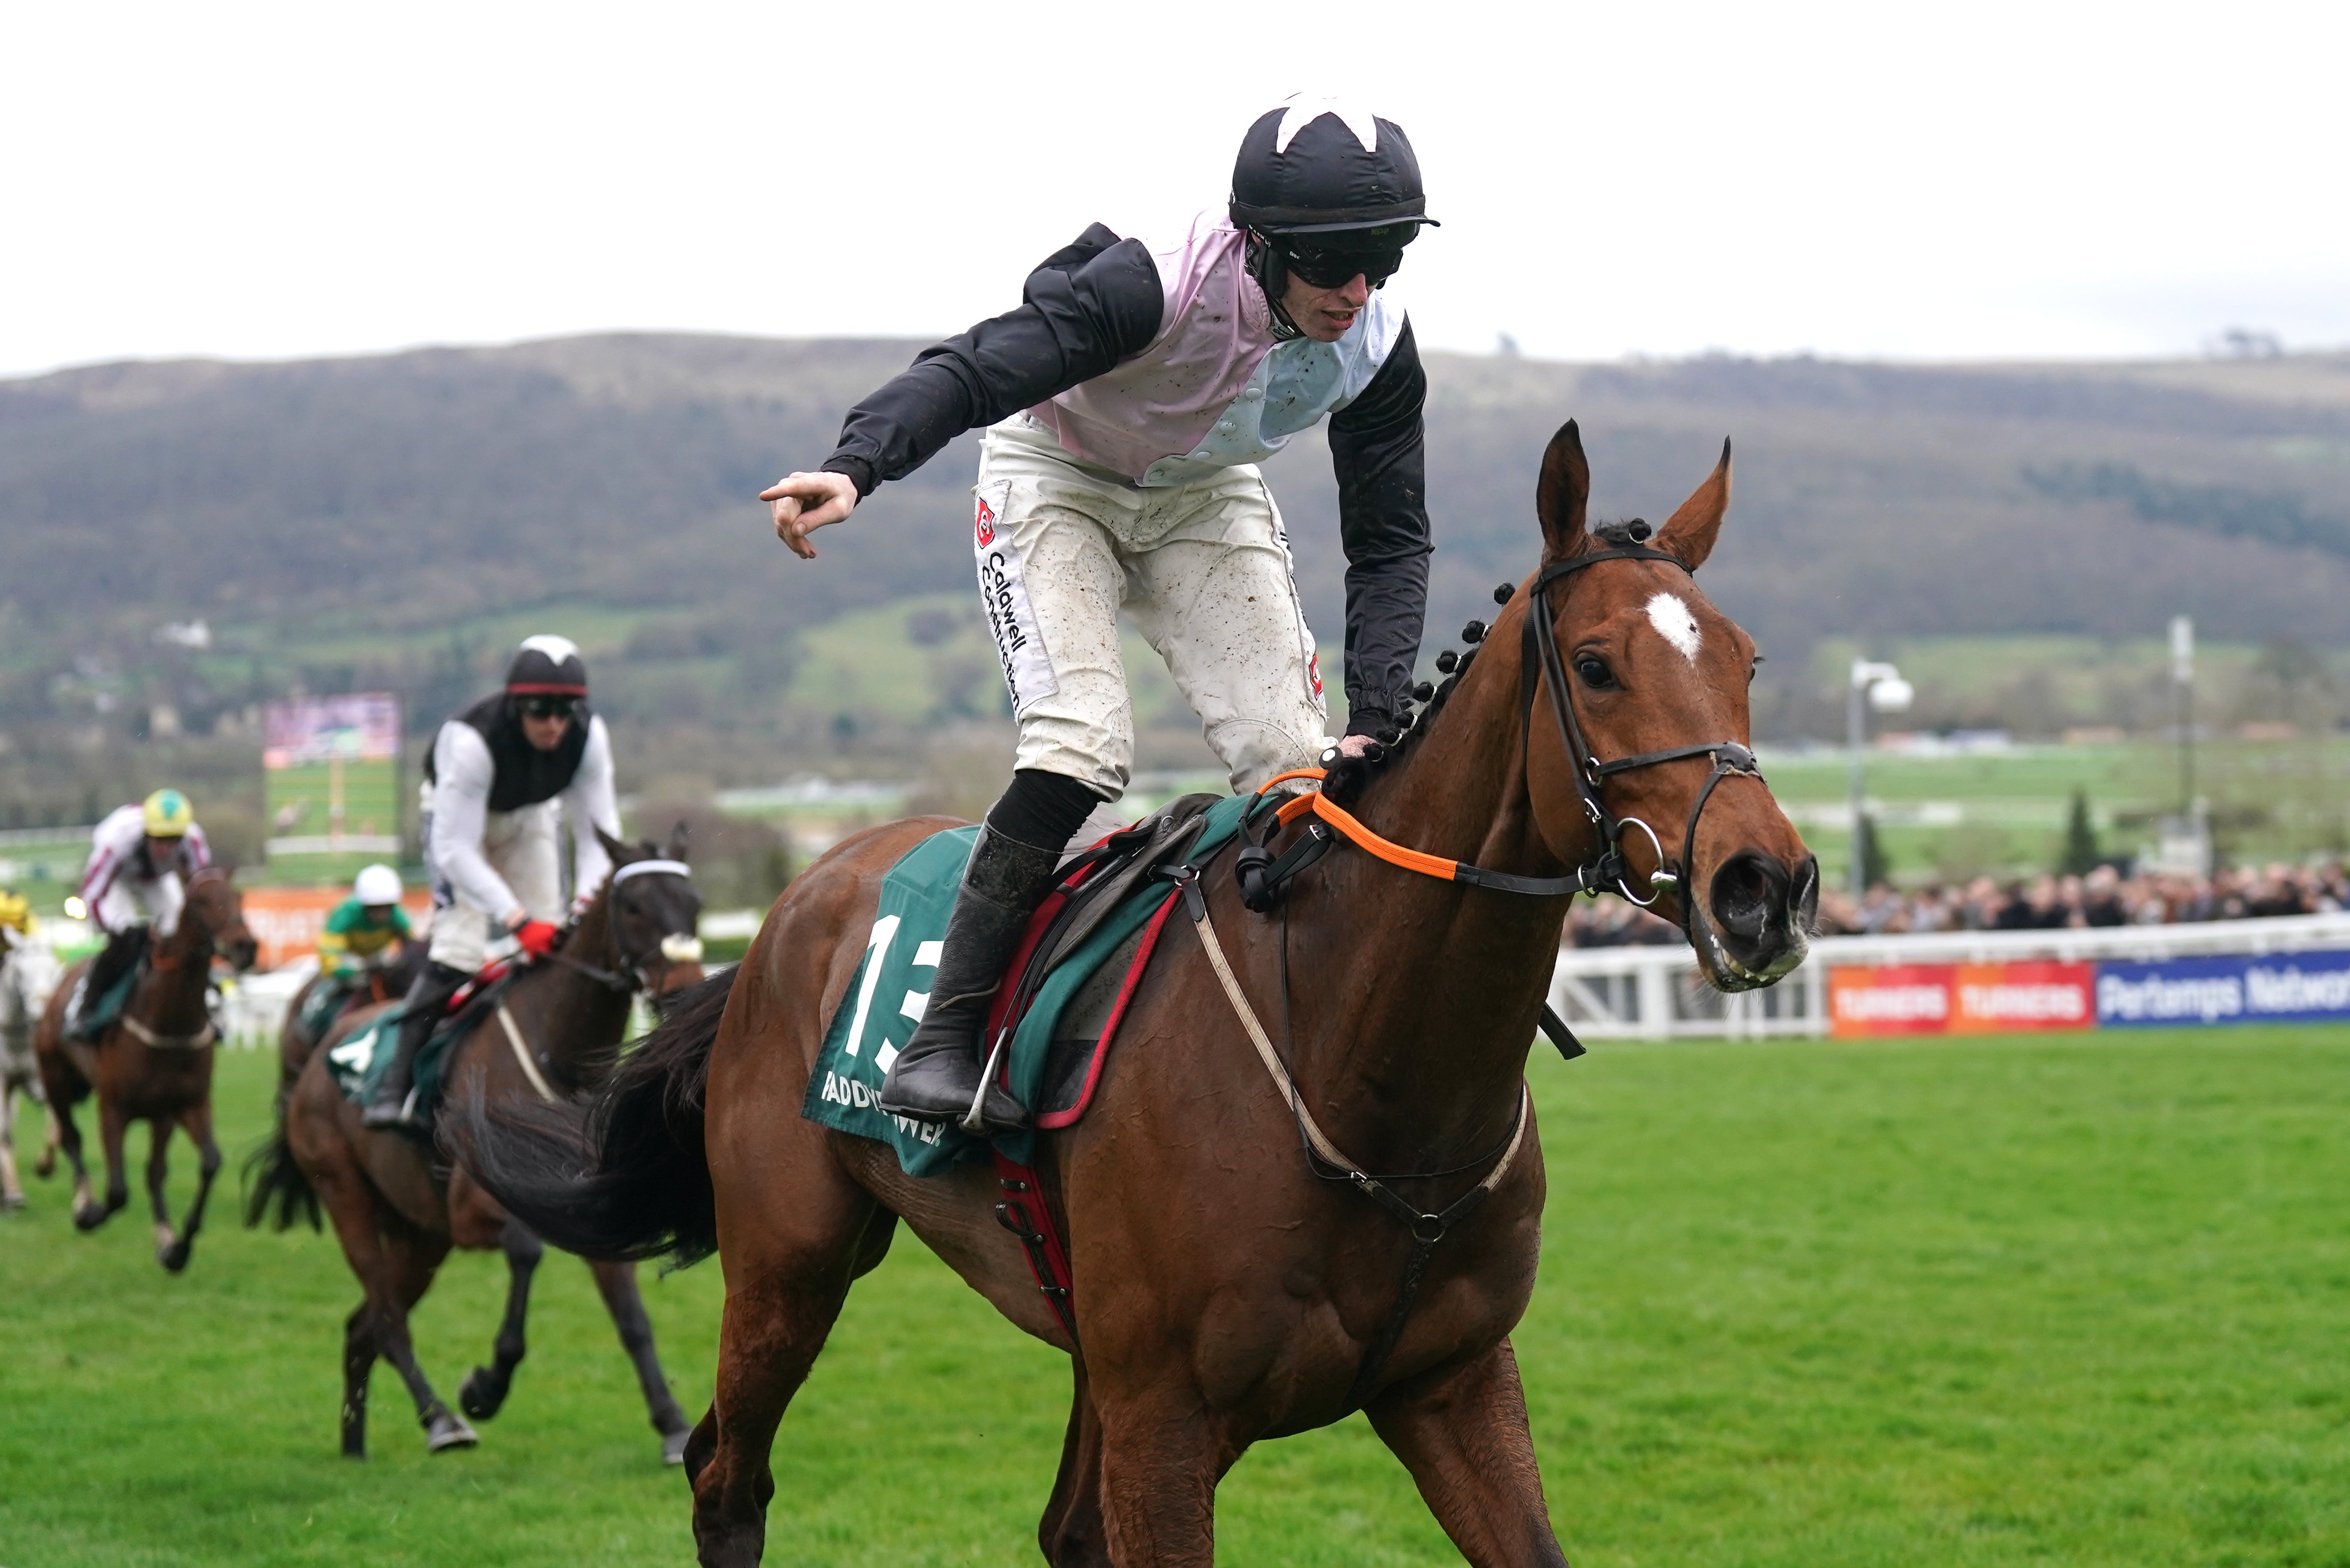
[893,987]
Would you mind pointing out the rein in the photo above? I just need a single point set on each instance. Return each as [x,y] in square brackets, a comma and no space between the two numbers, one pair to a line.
[1261,874]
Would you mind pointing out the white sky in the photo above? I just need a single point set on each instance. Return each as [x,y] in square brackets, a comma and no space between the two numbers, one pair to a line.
[2043,179]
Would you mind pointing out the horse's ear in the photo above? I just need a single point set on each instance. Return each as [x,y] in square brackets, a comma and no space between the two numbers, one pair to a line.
[677,841]
[1563,493]
[621,851]
[1690,532]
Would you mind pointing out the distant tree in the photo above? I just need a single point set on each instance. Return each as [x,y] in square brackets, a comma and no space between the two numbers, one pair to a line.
[2081,854]
[1874,865]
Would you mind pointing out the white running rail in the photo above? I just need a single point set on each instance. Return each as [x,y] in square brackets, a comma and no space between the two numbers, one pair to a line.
[1654,993]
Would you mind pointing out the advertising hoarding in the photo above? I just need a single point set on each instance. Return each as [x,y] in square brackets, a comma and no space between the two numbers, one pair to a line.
[330,767]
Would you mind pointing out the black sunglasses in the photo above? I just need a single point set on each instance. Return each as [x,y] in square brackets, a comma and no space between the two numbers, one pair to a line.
[548,707]
[1320,266]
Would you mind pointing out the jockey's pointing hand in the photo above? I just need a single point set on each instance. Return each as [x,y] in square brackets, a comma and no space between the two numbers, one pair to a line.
[803,503]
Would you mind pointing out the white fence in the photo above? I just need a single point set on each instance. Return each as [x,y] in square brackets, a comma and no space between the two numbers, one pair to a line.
[1654,993]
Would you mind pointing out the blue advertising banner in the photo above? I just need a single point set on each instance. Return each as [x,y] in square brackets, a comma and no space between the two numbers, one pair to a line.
[2280,988]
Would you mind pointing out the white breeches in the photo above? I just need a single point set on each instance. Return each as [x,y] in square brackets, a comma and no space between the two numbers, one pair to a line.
[1204,571]
[521,847]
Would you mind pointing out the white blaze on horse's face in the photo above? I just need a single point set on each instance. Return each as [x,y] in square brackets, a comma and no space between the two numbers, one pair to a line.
[1675,624]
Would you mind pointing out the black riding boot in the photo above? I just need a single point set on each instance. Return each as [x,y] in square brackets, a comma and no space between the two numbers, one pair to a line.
[936,1077]
[426,1001]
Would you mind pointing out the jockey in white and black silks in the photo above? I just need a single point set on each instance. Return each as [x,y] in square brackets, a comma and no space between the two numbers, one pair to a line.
[498,777]
[134,883]
[1127,403]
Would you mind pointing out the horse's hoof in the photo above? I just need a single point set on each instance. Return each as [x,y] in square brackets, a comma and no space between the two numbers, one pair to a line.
[447,1431]
[480,1396]
[88,1217]
[46,1166]
[11,1201]
[674,1446]
[174,1257]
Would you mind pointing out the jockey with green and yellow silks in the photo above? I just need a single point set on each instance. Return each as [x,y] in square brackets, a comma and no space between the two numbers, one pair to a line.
[368,933]
[366,927]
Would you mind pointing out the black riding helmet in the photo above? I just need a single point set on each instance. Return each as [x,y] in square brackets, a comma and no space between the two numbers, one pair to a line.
[1326,190]
[547,675]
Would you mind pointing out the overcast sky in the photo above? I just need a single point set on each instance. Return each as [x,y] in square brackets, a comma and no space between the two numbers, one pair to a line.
[1986,181]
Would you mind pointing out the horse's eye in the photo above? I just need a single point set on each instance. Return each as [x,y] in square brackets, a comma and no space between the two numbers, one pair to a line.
[1594,672]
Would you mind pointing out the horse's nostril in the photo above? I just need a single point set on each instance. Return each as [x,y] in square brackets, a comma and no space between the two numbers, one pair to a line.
[1747,891]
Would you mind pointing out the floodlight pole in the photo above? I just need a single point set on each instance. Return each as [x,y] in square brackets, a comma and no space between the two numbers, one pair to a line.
[2182,680]
[1866,674]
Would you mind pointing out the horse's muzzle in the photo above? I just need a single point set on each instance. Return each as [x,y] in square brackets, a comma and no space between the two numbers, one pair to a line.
[1763,911]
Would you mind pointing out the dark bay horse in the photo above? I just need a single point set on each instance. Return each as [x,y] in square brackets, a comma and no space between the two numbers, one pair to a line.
[153,1064]
[396,1208]
[1223,1292]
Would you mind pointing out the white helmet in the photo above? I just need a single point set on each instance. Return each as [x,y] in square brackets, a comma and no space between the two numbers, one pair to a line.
[378,884]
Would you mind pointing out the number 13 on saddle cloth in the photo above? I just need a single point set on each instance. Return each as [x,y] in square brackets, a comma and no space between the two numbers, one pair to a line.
[1058,1045]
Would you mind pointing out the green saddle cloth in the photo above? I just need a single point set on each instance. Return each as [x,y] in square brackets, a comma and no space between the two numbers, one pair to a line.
[892,985]
[359,1060]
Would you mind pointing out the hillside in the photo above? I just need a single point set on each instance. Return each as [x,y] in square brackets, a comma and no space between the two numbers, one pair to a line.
[400,519]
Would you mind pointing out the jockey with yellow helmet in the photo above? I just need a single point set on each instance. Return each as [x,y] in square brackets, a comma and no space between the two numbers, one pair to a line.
[138,856]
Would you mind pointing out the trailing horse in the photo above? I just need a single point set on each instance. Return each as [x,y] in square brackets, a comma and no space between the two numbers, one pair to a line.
[397,1207]
[1230,1285]
[153,1063]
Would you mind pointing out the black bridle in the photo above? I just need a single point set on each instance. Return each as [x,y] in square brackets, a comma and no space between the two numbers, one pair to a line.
[1261,873]
[1538,652]
[626,975]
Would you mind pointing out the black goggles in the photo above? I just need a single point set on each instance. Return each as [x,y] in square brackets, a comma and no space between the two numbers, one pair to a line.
[1320,267]
[547,707]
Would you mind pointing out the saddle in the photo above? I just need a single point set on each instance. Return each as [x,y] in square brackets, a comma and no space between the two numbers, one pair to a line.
[359,1060]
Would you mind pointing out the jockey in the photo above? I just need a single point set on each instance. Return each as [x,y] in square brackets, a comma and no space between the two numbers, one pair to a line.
[16,922]
[1128,402]
[492,787]
[360,934]
[136,859]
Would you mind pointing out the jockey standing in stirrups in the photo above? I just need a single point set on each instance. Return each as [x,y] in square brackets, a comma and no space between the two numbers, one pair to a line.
[136,859]
[491,787]
[1127,401]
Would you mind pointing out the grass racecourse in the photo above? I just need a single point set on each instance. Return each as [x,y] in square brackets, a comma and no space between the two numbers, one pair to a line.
[2077,1300]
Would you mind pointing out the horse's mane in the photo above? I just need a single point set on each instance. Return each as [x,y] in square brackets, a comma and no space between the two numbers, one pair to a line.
[1348,777]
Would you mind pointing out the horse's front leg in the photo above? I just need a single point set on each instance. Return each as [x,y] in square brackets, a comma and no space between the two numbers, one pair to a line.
[112,1125]
[159,1170]
[617,1283]
[1461,1431]
[484,1392]
[198,1121]
[1073,1532]
[12,1192]
[1161,1456]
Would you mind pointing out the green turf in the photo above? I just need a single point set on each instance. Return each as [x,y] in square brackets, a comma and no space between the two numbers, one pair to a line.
[2077,1300]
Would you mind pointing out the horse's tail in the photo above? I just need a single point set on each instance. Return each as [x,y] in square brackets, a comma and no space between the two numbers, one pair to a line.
[623,1176]
[274,1180]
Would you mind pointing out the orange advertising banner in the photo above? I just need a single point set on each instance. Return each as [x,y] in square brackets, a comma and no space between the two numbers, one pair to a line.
[1960,999]
[1990,998]
[1889,999]
[286,922]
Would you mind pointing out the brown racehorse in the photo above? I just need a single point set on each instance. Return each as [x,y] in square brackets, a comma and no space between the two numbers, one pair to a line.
[1223,1293]
[153,1065]
[397,1215]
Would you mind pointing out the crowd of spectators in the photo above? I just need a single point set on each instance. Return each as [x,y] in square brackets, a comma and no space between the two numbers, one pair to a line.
[2103,897]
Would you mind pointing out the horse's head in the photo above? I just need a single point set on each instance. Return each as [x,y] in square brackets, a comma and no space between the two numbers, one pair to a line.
[1651,666]
[213,920]
[654,913]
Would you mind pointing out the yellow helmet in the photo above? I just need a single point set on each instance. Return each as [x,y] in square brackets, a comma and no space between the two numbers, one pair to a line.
[169,814]
[16,911]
